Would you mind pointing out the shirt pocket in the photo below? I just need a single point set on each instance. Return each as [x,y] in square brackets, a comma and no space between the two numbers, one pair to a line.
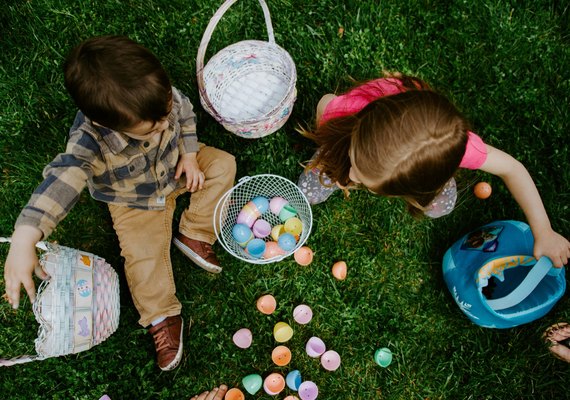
[132,168]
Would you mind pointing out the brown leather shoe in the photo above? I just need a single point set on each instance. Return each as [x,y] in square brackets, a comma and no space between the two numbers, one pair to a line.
[168,342]
[201,253]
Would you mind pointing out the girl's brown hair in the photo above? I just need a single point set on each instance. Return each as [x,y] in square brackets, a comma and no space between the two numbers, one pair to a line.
[117,82]
[406,145]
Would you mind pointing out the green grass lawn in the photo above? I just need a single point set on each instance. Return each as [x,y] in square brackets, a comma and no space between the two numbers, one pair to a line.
[506,64]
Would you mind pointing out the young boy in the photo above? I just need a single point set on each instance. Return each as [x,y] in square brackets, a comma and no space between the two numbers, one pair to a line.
[134,144]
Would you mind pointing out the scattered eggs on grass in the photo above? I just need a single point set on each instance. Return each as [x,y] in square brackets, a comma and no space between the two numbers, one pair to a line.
[234,394]
[482,190]
[243,338]
[339,270]
[302,314]
[303,255]
[266,304]
[281,356]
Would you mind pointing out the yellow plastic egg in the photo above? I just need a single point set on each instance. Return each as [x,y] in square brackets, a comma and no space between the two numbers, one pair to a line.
[303,255]
[234,394]
[281,356]
[282,332]
[266,304]
[294,226]
[276,231]
[339,270]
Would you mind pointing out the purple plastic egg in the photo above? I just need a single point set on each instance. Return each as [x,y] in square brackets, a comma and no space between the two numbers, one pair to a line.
[302,314]
[308,390]
[248,214]
[243,338]
[315,347]
[261,228]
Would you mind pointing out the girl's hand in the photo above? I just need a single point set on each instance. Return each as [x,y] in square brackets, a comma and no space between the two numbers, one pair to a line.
[553,245]
[214,394]
[188,164]
[21,263]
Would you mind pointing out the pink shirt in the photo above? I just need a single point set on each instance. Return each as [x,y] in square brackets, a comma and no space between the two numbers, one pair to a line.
[359,97]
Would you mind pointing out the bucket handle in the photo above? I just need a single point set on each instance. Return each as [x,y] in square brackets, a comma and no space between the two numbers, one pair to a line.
[542,268]
[206,39]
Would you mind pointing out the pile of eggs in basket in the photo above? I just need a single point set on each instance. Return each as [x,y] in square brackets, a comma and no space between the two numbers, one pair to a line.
[253,233]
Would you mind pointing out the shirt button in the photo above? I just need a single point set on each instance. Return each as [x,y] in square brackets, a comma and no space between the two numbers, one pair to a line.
[146,144]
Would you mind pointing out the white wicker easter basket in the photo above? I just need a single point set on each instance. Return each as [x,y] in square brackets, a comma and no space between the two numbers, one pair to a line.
[249,86]
[77,307]
[268,186]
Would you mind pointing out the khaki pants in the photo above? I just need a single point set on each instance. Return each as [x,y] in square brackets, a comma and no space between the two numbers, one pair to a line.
[145,236]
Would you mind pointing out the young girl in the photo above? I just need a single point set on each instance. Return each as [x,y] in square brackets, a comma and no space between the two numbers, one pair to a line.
[397,137]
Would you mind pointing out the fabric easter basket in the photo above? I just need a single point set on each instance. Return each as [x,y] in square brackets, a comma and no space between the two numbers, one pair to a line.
[494,279]
[249,86]
[77,307]
[268,186]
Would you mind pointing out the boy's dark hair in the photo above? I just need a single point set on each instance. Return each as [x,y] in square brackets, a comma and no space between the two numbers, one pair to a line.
[117,83]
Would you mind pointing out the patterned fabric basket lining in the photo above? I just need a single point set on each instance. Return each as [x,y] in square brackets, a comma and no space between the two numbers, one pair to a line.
[269,186]
[249,86]
[77,308]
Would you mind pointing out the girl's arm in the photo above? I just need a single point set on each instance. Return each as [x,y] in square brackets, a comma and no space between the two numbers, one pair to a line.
[520,184]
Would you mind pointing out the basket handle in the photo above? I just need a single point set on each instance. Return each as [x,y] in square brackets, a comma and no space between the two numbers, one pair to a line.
[542,268]
[206,39]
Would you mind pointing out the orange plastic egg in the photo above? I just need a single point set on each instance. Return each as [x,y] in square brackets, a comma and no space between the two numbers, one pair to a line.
[339,270]
[274,384]
[482,190]
[281,355]
[272,249]
[303,255]
[234,394]
[266,304]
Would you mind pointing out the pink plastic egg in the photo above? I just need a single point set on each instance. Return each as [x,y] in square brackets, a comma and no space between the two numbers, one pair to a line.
[261,228]
[303,255]
[291,398]
[266,304]
[272,249]
[274,384]
[302,314]
[339,270]
[248,214]
[243,338]
[276,204]
[330,360]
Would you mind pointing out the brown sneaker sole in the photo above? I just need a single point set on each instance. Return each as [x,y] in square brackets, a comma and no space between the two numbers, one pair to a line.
[195,257]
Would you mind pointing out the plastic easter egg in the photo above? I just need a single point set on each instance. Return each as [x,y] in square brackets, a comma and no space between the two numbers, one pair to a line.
[294,226]
[248,214]
[302,314]
[261,203]
[383,357]
[242,234]
[293,380]
[288,211]
[252,383]
[281,356]
[291,398]
[256,248]
[272,249]
[277,231]
[282,332]
[339,270]
[315,347]
[274,384]
[276,204]
[261,228]
[266,304]
[482,190]
[330,360]
[303,255]
[308,390]
[287,242]
[234,394]
[243,338]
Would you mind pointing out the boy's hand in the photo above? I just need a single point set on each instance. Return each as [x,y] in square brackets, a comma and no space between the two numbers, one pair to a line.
[187,164]
[553,245]
[20,263]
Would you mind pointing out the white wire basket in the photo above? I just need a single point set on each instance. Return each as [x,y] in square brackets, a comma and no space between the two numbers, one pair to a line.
[77,308]
[249,86]
[249,187]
